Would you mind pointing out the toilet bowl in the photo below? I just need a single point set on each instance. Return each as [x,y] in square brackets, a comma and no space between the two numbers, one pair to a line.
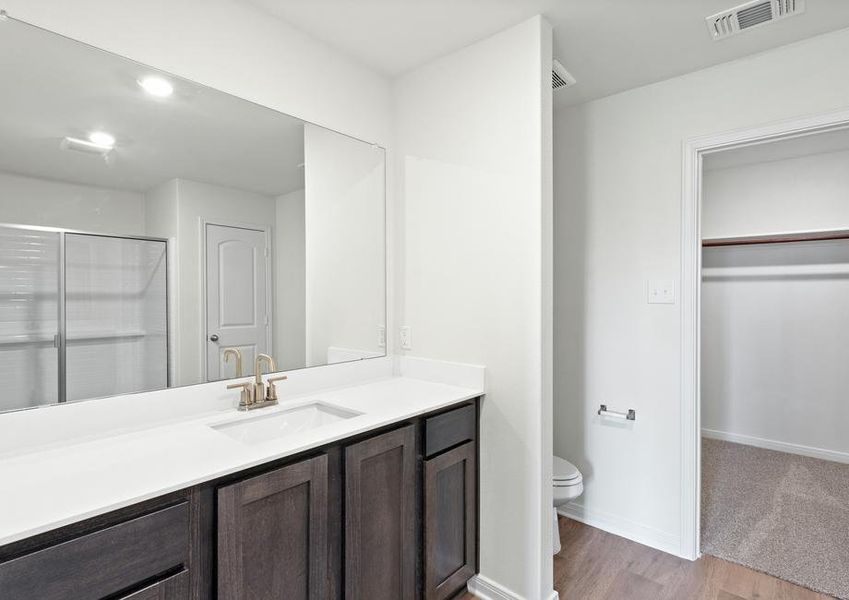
[567,484]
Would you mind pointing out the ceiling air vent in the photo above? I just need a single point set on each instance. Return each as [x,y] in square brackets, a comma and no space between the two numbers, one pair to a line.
[560,77]
[751,14]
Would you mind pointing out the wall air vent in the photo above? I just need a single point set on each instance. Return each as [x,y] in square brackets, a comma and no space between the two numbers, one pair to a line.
[751,14]
[560,77]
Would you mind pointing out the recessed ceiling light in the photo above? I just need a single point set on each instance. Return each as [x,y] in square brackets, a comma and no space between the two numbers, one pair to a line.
[157,86]
[101,138]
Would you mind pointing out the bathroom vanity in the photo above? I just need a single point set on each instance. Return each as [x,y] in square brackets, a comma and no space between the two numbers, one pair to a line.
[389,511]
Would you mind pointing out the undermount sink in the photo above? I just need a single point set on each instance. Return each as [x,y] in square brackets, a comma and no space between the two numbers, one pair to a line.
[262,428]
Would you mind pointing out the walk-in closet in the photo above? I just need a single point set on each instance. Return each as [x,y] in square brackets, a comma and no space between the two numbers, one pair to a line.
[775,359]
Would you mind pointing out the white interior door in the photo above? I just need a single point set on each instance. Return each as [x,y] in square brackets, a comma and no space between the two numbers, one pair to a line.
[236,297]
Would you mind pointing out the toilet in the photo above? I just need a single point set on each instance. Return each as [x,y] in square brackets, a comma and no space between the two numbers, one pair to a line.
[568,484]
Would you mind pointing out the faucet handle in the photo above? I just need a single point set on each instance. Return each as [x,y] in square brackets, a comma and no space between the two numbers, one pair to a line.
[245,398]
[271,392]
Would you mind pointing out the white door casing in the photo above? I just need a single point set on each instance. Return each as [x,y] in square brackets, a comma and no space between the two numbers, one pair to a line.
[237,307]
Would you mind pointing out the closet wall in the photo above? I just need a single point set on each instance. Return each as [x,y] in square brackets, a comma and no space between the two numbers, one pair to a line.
[800,193]
[775,317]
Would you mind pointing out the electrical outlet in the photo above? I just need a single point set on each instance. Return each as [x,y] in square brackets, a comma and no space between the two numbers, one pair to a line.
[406,337]
[661,291]
[381,336]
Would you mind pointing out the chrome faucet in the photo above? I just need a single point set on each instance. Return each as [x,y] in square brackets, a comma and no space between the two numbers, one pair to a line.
[255,394]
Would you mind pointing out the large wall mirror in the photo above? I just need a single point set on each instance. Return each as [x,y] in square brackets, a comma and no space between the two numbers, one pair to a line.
[153,230]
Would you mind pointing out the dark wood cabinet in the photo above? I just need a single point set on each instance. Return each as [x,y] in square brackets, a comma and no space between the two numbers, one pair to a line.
[272,534]
[450,429]
[113,561]
[175,587]
[380,517]
[386,515]
[450,521]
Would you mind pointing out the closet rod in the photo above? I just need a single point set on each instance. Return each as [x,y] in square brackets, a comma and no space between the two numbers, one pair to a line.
[778,238]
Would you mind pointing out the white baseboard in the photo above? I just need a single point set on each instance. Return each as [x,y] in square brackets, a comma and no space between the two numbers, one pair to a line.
[485,588]
[642,534]
[749,440]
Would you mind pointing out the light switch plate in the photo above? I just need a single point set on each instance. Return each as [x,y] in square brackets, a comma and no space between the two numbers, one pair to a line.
[661,291]
[406,337]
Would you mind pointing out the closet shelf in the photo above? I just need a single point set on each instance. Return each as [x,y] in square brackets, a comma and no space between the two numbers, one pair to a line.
[779,238]
[775,272]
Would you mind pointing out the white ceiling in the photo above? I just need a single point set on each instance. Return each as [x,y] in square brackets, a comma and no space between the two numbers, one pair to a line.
[53,87]
[608,45]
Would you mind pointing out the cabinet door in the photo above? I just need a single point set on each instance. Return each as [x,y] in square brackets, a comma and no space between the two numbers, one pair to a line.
[450,521]
[272,534]
[380,517]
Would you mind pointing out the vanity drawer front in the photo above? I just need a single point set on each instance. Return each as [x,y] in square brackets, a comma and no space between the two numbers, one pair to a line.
[102,563]
[175,587]
[449,429]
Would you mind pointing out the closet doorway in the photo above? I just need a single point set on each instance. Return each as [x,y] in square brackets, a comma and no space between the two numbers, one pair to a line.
[770,298]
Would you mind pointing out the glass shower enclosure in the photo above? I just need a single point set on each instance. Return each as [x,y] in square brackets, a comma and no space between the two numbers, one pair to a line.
[82,315]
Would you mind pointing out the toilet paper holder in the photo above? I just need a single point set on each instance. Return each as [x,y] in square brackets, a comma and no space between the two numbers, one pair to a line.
[631,415]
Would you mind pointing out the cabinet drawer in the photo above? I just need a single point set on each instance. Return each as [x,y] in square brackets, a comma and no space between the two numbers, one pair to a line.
[449,429]
[175,587]
[102,563]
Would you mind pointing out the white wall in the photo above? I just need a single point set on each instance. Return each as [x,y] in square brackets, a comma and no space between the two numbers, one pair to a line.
[618,224]
[796,194]
[34,201]
[161,215]
[163,220]
[233,47]
[470,164]
[775,345]
[775,318]
[290,282]
[344,220]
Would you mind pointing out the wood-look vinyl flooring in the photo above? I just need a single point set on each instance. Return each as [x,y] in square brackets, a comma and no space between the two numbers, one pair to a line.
[595,565]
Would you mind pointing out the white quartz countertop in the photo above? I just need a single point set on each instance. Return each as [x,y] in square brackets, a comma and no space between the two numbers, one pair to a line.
[66,483]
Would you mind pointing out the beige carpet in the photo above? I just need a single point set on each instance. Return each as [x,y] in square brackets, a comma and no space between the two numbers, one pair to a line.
[779,513]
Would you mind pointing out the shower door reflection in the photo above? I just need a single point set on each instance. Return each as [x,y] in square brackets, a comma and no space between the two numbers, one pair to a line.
[29,317]
[81,316]
[116,313]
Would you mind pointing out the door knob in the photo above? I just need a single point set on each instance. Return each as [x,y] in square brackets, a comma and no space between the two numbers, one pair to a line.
[213,337]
